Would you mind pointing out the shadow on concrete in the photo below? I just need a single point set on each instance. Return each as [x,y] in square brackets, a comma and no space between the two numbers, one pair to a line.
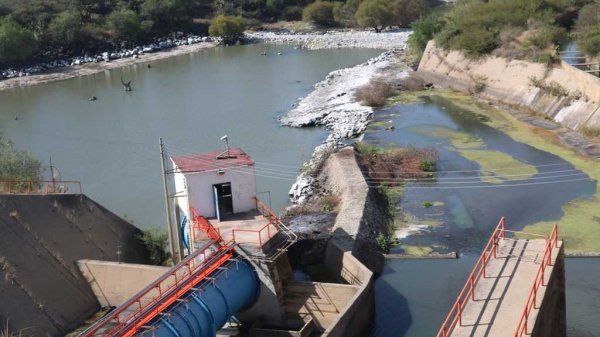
[41,238]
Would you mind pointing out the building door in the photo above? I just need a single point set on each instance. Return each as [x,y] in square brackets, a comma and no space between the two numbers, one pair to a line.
[223,200]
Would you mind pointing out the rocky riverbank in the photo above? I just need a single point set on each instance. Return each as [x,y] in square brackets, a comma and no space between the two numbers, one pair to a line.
[334,39]
[88,65]
[333,104]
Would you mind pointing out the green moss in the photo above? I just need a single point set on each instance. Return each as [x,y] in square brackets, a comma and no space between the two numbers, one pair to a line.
[579,225]
[416,250]
[459,140]
[429,222]
[407,97]
[498,167]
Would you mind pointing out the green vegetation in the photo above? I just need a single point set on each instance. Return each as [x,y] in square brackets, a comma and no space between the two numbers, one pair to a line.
[519,29]
[424,30]
[498,167]
[18,165]
[228,27]
[579,223]
[43,29]
[16,42]
[156,241]
[383,241]
[320,13]
[416,250]
[587,29]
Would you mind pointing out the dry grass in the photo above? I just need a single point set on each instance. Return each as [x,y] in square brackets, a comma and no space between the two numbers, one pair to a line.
[5,331]
[590,131]
[328,203]
[375,94]
[390,167]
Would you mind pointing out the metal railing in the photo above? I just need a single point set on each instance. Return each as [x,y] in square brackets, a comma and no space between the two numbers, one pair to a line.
[134,314]
[40,187]
[468,291]
[551,243]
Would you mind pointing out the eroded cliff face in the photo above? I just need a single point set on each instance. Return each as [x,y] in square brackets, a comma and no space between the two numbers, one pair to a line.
[562,93]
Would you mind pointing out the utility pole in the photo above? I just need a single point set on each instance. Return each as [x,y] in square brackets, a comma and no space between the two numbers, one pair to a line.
[173,237]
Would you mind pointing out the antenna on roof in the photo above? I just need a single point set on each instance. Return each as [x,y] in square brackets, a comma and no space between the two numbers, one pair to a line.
[226,153]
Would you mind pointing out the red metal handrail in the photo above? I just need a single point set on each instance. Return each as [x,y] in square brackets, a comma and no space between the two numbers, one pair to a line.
[160,294]
[39,187]
[200,223]
[468,290]
[551,243]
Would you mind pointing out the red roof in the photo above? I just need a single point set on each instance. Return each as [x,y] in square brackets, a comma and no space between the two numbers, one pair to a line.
[209,162]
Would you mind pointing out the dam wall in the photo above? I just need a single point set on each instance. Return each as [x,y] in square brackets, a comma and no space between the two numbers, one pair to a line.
[41,238]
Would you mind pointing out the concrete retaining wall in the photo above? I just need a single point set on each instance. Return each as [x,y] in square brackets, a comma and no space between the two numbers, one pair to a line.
[41,237]
[551,319]
[362,212]
[356,319]
[509,81]
[114,283]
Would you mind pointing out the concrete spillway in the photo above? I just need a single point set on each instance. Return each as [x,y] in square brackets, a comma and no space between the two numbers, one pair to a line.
[201,312]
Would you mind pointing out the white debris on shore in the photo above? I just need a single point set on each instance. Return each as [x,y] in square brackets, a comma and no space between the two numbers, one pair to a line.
[333,104]
[157,45]
[334,39]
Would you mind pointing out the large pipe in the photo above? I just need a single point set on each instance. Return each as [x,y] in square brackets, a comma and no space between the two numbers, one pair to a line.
[205,309]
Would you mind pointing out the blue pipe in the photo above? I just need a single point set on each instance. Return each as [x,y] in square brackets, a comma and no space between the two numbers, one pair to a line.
[205,309]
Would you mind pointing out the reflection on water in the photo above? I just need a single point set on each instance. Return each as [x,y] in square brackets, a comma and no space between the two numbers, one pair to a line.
[413,297]
[483,175]
[111,144]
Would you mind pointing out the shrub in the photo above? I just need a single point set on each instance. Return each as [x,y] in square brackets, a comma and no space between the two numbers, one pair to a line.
[320,13]
[16,42]
[590,131]
[292,13]
[156,241]
[375,93]
[377,14]
[124,24]
[423,30]
[229,28]
[18,165]
[383,242]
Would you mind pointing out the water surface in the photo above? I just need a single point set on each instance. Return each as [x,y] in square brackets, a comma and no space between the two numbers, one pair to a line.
[111,145]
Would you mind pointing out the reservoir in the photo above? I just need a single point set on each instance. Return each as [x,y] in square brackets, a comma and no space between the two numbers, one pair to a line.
[111,145]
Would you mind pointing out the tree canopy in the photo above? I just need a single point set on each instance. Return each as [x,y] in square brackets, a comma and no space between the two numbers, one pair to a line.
[229,28]
[16,42]
[18,165]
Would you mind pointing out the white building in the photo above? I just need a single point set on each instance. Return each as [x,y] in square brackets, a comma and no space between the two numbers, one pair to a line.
[216,184]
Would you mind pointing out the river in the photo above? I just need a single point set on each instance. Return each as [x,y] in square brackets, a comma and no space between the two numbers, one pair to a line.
[111,145]
[472,191]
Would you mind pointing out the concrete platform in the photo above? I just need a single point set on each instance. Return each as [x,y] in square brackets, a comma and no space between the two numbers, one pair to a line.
[246,228]
[501,296]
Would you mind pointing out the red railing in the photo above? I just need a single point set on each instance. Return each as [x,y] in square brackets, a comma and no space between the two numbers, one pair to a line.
[201,224]
[134,314]
[468,291]
[264,233]
[39,187]
[551,243]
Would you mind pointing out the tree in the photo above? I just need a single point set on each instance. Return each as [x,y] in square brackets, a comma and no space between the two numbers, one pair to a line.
[66,30]
[377,14]
[124,24]
[320,13]
[229,28]
[167,14]
[156,241]
[407,11]
[18,165]
[16,42]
